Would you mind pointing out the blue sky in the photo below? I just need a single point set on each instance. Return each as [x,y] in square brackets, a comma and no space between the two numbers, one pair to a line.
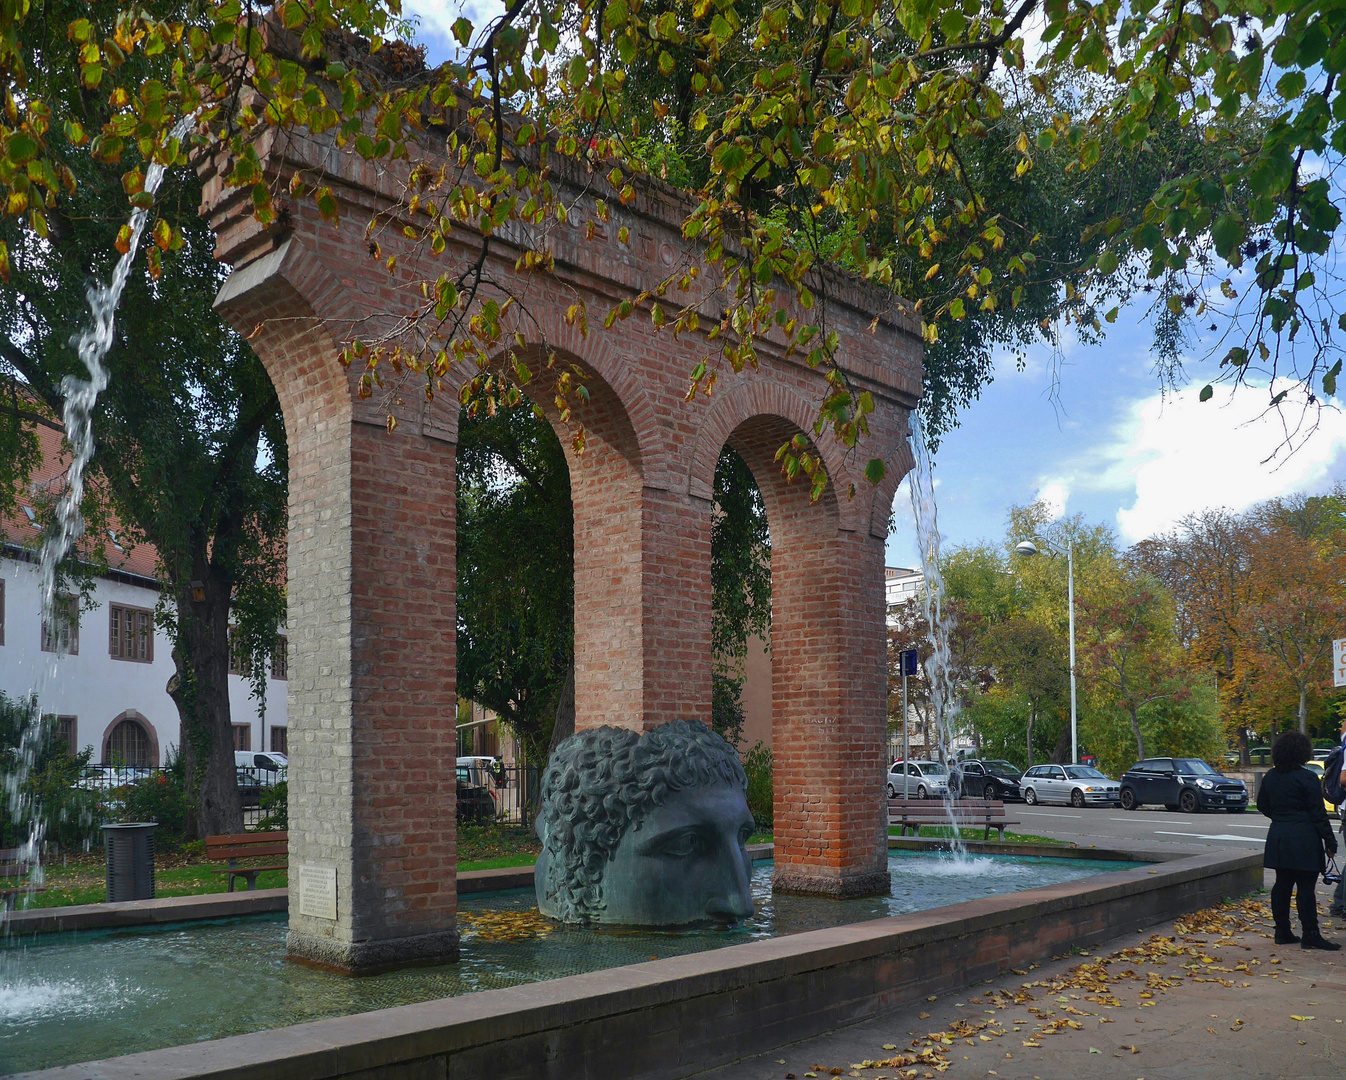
[1088,429]
[1110,445]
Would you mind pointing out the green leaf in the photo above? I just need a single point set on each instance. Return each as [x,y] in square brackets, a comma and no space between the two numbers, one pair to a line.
[875,471]
[462,30]
[615,14]
[1207,392]
[21,148]
[1107,261]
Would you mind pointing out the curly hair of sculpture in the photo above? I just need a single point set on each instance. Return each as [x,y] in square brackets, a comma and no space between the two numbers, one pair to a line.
[645,829]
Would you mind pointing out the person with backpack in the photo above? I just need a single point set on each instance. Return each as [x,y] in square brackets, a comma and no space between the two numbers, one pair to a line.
[1334,791]
[1299,840]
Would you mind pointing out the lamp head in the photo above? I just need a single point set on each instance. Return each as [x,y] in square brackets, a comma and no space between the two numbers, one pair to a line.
[1025,547]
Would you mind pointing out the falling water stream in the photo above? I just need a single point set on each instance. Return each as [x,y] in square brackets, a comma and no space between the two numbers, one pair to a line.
[81,396]
[938,659]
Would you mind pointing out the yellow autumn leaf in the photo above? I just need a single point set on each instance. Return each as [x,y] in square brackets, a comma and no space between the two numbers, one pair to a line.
[1294,1017]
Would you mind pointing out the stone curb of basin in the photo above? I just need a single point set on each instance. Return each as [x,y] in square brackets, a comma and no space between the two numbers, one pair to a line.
[674,1017]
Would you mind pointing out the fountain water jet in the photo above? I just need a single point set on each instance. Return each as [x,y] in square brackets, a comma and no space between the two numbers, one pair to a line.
[941,623]
[81,396]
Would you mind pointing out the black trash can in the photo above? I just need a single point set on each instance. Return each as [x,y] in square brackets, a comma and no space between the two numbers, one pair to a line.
[130,860]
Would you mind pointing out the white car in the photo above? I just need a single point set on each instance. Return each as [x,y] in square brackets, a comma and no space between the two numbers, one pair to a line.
[1069,785]
[924,780]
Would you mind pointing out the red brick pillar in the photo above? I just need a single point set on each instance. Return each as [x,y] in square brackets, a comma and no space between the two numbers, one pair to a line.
[829,688]
[372,705]
[642,586]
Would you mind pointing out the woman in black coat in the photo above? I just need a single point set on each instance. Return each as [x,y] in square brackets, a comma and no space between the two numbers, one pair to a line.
[1299,835]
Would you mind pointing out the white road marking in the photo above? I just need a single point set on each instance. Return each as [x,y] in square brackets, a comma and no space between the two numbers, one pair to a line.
[1203,836]
[1047,813]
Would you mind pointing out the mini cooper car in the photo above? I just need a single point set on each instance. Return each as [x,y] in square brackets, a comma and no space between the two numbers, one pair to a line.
[1186,784]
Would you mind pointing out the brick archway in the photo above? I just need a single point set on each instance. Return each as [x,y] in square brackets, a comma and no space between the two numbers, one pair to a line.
[372,556]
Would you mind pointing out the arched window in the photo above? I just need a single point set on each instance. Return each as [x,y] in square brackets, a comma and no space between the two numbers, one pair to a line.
[130,740]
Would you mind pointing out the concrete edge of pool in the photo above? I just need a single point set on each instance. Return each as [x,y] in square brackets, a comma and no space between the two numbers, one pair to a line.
[671,1018]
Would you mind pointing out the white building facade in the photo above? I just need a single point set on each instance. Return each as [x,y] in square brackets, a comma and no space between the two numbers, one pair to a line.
[109,688]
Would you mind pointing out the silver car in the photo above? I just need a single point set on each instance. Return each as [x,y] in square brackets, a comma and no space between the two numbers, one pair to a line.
[1069,785]
[923,780]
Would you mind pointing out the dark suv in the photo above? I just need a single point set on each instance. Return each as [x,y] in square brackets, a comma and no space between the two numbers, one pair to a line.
[1186,784]
[978,779]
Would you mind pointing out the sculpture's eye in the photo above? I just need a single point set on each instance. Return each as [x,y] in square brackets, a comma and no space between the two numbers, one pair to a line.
[743,834]
[681,845]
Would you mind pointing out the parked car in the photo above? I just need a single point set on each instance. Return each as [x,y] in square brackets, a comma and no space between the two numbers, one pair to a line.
[924,780]
[1069,785]
[980,779]
[1186,784]
[474,804]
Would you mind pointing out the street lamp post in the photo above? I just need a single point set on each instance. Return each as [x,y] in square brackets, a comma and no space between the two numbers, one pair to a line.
[1028,548]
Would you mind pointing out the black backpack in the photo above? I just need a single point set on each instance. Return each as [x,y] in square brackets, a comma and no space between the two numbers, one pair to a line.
[1332,789]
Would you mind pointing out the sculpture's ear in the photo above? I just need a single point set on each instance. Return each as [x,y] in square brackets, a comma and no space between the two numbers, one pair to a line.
[540,828]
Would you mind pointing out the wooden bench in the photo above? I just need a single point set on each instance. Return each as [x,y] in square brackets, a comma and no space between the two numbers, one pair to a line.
[968,813]
[252,845]
[12,868]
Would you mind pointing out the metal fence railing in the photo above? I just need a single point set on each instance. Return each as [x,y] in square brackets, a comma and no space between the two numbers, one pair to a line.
[111,777]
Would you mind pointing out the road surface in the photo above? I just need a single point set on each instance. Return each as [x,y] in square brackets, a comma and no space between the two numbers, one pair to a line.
[1149,826]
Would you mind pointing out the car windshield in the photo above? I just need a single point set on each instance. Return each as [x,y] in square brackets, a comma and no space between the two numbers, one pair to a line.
[1194,767]
[1003,768]
[1084,772]
[933,769]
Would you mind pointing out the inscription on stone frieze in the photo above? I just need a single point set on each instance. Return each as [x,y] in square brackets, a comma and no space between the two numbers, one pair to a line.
[317,891]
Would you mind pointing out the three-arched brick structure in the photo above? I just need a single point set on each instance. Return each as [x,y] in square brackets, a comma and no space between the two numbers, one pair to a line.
[372,548]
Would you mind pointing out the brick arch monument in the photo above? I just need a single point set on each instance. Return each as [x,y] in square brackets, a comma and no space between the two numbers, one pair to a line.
[371,619]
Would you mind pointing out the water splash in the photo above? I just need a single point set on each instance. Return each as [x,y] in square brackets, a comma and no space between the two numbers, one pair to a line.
[938,660]
[81,396]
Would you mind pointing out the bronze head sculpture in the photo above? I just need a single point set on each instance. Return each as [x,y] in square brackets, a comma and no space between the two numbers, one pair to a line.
[645,829]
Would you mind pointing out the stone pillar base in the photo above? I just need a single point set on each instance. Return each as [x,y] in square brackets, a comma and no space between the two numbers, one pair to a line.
[806,881]
[369,957]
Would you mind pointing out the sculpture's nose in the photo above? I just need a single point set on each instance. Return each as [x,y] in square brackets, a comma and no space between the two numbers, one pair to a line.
[734,900]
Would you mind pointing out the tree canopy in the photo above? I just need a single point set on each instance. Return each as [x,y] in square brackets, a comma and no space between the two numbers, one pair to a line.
[917,133]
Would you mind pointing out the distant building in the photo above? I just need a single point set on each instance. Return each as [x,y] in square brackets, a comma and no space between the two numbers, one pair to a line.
[108,689]
[901,584]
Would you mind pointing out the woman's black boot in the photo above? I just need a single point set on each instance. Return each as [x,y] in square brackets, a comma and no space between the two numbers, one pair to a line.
[1317,941]
[1286,937]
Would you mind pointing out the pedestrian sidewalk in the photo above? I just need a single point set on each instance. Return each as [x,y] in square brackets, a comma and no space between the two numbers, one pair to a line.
[1209,996]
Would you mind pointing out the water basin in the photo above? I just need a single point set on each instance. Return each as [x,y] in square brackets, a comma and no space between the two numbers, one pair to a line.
[75,996]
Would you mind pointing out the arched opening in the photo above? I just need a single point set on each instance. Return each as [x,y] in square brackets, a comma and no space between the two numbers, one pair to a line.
[515,572]
[130,741]
[828,686]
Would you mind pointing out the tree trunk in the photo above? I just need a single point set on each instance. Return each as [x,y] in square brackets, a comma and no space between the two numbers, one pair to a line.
[1135,730]
[1032,717]
[200,689]
[565,713]
[1304,709]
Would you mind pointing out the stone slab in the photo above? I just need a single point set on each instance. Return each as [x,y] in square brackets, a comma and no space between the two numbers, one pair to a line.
[672,1018]
[167,909]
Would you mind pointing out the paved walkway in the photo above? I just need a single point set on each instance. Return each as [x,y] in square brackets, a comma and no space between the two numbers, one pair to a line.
[1207,997]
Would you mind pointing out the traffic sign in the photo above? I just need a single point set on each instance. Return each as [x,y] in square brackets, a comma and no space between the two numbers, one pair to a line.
[1339,662]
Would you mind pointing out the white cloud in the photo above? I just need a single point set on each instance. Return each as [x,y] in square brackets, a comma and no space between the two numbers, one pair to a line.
[1180,455]
[435,22]
[1055,493]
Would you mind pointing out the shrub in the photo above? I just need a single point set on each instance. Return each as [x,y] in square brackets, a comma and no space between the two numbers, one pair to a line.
[71,816]
[276,803]
[757,764]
